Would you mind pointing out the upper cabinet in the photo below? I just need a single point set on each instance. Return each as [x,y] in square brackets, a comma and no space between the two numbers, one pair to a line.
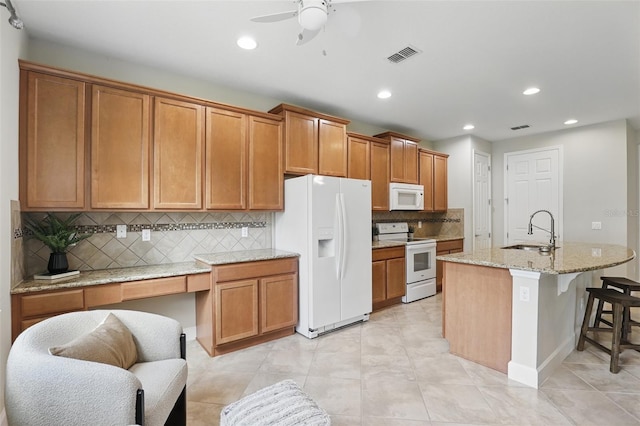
[178,144]
[433,176]
[52,142]
[369,159]
[313,142]
[403,157]
[120,143]
[88,143]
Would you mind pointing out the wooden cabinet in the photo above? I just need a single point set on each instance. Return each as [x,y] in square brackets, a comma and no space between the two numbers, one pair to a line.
[52,142]
[177,154]
[358,157]
[313,142]
[446,247]
[120,143]
[226,160]
[379,176]
[388,276]
[253,302]
[403,161]
[433,176]
[243,161]
[266,177]
[30,308]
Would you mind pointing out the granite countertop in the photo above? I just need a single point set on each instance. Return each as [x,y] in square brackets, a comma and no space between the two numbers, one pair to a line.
[243,256]
[385,244]
[115,275]
[567,258]
[202,264]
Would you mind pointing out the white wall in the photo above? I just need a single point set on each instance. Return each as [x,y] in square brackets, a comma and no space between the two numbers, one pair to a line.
[460,176]
[12,44]
[595,180]
[633,198]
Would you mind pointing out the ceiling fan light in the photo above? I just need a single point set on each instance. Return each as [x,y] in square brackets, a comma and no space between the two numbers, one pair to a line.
[313,17]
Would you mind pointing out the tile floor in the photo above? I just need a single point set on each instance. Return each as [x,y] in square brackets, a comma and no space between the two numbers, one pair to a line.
[396,370]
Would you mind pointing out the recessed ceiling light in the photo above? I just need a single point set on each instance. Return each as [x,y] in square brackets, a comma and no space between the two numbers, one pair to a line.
[469,127]
[247,43]
[571,121]
[384,94]
[531,91]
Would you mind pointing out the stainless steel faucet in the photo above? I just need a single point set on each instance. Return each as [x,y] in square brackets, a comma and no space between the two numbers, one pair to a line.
[552,240]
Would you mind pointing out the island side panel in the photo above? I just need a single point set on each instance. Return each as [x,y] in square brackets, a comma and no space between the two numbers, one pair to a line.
[477,313]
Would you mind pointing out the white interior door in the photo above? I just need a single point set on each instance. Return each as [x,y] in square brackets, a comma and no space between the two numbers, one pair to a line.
[533,181]
[481,200]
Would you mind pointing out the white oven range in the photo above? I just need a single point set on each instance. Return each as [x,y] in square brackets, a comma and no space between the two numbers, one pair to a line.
[420,260]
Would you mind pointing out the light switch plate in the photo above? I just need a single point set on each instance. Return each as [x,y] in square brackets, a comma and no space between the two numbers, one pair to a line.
[596,225]
[121,231]
[146,235]
[245,231]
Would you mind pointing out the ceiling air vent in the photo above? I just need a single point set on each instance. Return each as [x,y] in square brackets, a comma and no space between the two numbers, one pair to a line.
[402,54]
[524,126]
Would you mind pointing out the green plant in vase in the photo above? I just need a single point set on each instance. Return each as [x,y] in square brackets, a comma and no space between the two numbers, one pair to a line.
[57,234]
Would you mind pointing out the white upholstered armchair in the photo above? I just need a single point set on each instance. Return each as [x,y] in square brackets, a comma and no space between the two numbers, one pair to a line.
[43,389]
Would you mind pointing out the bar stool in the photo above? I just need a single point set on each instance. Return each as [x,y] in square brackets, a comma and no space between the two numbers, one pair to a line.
[627,286]
[619,302]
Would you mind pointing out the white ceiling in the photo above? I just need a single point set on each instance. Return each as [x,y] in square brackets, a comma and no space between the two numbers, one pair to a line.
[476,57]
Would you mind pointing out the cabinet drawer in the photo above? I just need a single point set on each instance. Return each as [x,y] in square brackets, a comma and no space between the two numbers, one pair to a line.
[154,287]
[387,253]
[102,295]
[49,303]
[264,268]
[445,246]
[199,282]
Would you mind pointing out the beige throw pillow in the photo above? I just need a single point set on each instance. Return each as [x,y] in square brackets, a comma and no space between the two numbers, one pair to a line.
[109,343]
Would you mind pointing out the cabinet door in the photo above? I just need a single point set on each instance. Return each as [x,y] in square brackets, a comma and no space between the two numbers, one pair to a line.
[358,158]
[440,183]
[396,284]
[426,179]
[332,149]
[301,143]
[397,160]
[52,142]
[177,154]
[266,178]
[379,281]
[410,162]
[226,159]
[236,310]
[379,177]
[120,144]
[278,302]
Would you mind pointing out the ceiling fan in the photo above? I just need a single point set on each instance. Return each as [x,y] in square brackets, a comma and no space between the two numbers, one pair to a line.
[312,16]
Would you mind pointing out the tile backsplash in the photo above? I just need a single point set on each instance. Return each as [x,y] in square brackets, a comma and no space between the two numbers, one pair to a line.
[447,224]
[175,237]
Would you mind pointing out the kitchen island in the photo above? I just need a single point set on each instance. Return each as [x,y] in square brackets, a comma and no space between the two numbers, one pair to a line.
[520,311]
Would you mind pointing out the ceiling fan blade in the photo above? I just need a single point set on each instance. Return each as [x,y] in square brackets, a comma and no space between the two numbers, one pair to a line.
[306,36]
[275,17]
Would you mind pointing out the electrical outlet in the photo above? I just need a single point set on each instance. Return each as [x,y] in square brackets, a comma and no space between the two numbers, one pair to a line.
[524,294]
[146,235]
[419,224]
[596,225]
[121,231]
[245,231]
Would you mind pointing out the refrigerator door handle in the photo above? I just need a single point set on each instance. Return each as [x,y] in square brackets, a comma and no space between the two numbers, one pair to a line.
[343,236]
[340,232]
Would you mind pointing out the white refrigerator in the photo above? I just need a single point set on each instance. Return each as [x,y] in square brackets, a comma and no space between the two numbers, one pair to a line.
[327,220]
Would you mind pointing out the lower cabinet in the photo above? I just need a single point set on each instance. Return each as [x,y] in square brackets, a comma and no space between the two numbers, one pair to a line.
[446,247]
[252,302]
[388,276]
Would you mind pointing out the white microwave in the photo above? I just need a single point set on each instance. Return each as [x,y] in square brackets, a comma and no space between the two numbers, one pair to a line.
[406,196]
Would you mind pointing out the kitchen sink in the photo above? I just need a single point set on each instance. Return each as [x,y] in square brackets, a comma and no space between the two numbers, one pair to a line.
[530,247]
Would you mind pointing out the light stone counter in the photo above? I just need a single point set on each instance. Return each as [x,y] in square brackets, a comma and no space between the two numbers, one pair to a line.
[115,275]
[567,258]
[243,256]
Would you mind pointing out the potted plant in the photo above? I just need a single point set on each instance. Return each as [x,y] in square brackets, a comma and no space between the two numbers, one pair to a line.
[58,235]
